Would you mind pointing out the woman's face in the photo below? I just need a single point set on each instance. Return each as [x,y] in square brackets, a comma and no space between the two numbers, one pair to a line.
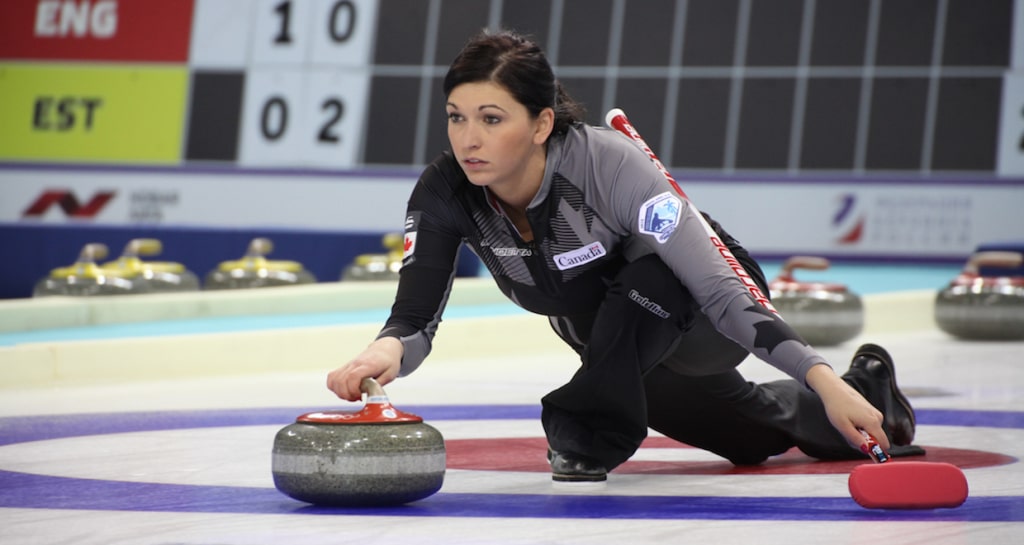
[493,136]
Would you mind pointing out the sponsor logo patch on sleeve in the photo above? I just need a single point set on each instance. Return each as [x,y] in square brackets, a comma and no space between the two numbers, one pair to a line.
[659,216]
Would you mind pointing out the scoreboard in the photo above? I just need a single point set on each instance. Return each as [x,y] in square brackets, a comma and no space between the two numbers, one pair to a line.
[269,83]
[717,86]
[280,82]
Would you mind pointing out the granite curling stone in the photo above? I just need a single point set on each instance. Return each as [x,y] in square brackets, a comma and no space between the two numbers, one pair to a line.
[86,278]
[254,270]
[378,456]
[382,266]
[152,276]
[824,314]
[978,307]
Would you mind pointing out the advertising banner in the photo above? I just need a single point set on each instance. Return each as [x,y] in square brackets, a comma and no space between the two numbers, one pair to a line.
[837,217]
[243,199]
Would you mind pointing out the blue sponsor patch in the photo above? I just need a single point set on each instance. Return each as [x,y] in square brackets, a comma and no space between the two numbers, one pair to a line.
[659,216]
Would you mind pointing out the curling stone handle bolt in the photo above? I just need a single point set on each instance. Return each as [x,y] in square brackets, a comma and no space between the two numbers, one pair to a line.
[93,252]
[372,388]
[259,247]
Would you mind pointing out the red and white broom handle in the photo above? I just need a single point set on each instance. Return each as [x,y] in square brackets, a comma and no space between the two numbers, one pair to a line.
[616,119]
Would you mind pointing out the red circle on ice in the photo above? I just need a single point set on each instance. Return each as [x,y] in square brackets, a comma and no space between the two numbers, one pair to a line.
[530,454]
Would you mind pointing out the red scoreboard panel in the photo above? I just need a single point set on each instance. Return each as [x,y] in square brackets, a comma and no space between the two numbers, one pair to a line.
[96,30]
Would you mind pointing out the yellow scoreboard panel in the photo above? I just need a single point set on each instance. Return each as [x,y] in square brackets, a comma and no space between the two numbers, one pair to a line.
[119,113]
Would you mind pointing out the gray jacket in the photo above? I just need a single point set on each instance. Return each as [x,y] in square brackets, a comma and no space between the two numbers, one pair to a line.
[602,203]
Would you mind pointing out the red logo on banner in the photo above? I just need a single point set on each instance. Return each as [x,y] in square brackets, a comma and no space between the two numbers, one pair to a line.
[848,221]
[854,234]
[69,204]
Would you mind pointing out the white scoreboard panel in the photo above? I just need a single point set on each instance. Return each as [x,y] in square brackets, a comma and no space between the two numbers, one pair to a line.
[306,68]
[1011,131]
[301,117]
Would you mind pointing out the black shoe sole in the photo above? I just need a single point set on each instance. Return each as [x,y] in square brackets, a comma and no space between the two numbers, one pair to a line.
[883,356]
[559,478]
[574,477]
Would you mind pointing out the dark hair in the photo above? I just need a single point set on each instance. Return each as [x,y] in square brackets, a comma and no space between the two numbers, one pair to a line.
[519,65]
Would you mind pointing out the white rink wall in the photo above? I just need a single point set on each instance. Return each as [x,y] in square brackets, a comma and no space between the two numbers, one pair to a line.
[305,348]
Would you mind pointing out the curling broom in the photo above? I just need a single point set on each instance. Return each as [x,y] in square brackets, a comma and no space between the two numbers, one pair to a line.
[884,484]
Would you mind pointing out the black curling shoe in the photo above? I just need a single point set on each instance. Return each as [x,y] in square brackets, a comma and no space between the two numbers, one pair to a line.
[568,467]
[872,372]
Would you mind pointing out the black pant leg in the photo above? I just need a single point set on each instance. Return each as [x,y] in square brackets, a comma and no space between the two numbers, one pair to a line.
[601,412]
[682,408]
[695,396]
[741,421]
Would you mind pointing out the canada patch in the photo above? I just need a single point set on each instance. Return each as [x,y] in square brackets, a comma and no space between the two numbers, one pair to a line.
[412,223]
[409,245]
[659,216]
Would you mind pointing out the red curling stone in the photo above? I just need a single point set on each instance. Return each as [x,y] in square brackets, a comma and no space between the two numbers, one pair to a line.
[374,457]
[823,313]
[978,307]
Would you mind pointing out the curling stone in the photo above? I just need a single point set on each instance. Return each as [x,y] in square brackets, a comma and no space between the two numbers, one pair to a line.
[822,313]
[378,266]
[86,278]
[152,276]
[373,457]
[254,270]
[980,307]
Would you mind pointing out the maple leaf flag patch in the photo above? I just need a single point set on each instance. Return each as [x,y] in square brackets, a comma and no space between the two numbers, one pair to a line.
[412,223]
[409,245]
[659,216]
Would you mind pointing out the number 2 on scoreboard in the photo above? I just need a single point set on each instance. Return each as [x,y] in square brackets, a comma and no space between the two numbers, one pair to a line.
[297,118]
[274,119]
